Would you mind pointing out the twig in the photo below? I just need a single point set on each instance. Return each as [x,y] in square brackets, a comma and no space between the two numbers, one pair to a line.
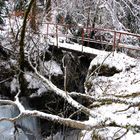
[3,81]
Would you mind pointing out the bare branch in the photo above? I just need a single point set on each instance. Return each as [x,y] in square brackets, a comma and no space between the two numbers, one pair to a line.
[112,99]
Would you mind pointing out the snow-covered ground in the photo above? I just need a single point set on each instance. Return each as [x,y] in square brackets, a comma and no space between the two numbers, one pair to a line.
[126,82]
[125,85]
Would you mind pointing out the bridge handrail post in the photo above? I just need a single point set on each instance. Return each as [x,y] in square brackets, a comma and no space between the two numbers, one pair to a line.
[120,34]
[56,35]
[66,33]
[89,35]
[114,41]
[82,39]
[47,30]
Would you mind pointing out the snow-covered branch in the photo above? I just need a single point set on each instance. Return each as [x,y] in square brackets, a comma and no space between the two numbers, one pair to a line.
[34,113]
[65,121]
[110,99]
[64,95]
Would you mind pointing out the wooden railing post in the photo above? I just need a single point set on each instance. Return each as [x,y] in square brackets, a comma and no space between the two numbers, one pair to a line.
[82,39]
[114,42]
[119,40]
[66,33]
[56,35]
[47,30]
[89,35]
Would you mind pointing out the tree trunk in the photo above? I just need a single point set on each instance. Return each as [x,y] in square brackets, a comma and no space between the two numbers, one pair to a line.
[33,17]
[48,9]
[22,81]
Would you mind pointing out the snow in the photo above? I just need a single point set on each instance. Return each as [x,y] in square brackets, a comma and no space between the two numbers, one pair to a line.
[35,83]
[86,135]
[48,68]
[110,135]
[124,83]
[14,85]
[74,46]
[131,136]
[127,81]
[52,68]
[118,60]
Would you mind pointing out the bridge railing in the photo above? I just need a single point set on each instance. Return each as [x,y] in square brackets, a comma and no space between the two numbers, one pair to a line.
[117,39]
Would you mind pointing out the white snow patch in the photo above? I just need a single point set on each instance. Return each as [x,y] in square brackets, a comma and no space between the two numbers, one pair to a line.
[125,82]
[52,68]
[119,60]
[35,83]
[14,85]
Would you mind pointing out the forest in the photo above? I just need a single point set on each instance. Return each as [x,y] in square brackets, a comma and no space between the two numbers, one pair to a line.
[69,70]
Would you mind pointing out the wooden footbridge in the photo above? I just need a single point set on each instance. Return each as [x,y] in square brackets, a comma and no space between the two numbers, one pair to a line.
[61,36]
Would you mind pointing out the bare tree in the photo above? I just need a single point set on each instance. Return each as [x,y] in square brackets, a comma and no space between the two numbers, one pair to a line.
[33,57]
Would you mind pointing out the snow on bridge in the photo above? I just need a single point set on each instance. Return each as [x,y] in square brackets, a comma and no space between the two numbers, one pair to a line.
[62,43]
[59,35]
